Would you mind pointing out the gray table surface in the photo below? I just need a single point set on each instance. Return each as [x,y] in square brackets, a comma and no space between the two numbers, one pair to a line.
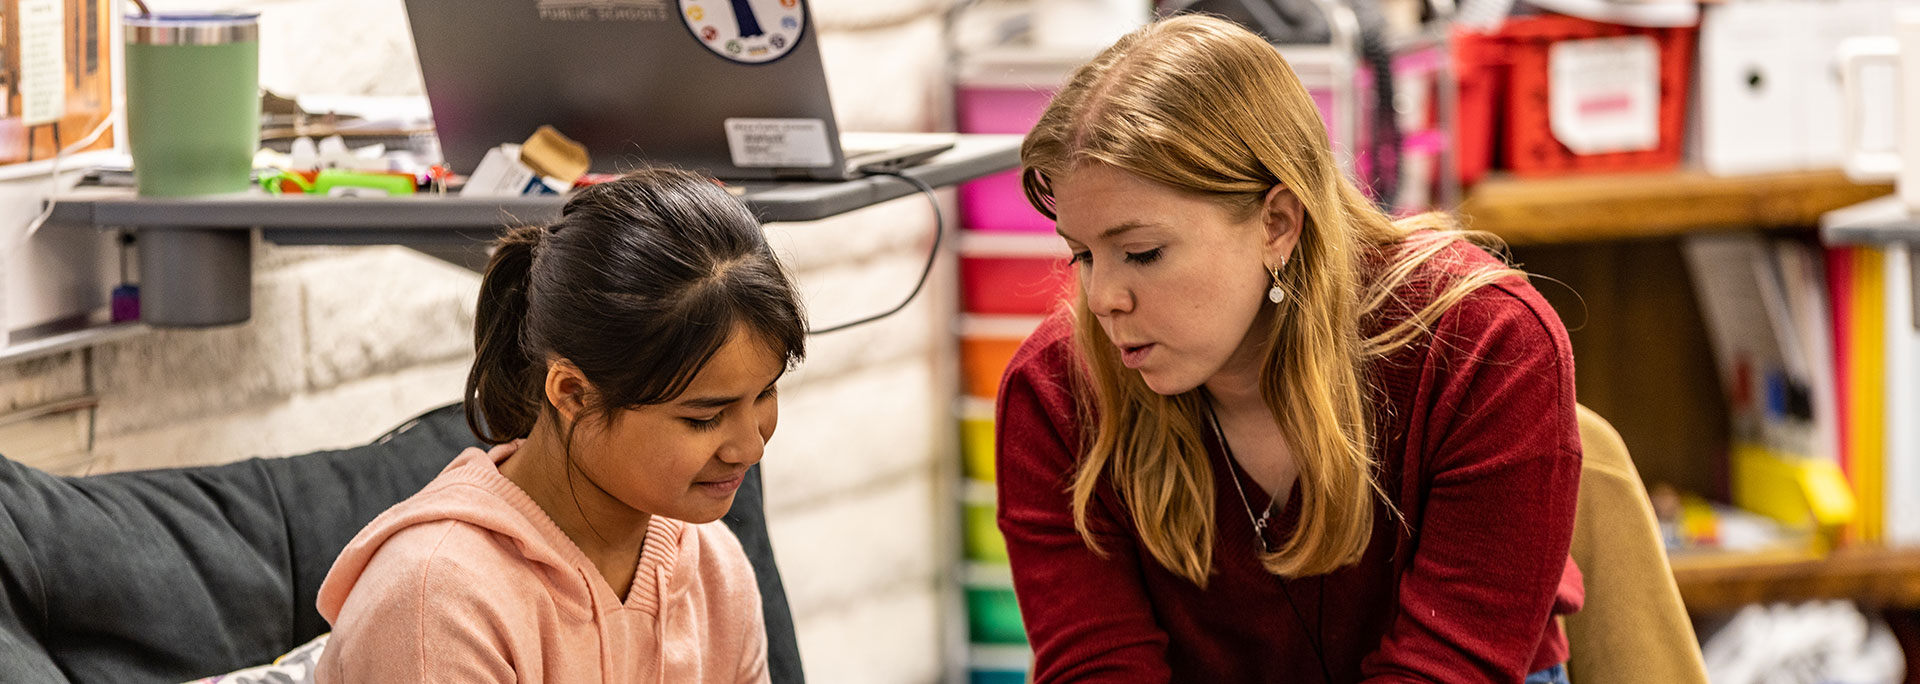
[451,219]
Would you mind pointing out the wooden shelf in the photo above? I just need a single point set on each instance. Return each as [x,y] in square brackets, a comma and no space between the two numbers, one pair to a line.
[1644,205]
[1872,577]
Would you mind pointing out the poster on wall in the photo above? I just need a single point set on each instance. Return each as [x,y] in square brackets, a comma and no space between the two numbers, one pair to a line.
[55,76]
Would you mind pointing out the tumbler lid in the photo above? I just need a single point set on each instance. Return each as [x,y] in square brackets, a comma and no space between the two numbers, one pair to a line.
[203,28]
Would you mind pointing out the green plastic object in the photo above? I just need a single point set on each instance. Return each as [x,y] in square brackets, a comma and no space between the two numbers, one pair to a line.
[993,616]
[337,181]
[983,540]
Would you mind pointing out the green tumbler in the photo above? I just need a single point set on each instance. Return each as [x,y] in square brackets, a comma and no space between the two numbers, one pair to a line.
[193,102]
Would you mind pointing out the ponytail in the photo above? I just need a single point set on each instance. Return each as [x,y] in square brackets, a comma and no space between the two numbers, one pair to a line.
[503,388]
[638,285]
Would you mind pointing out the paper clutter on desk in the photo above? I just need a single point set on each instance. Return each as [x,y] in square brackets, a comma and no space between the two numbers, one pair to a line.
[502,174]
[331,152]
[547,163]
[555,156]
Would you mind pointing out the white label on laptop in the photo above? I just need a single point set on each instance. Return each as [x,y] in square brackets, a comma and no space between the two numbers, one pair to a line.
[746,31]
[779,143]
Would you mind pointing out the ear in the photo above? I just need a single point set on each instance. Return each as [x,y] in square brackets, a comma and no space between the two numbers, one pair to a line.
[567,390]
[1282,217]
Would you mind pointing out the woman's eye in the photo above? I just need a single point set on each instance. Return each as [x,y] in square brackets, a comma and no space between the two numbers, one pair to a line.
[703,424]
[770,393]
[1146,257]
[1080,258]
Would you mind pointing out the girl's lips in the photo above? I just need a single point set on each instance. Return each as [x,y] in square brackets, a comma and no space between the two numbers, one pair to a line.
[722,487]
[1134,356]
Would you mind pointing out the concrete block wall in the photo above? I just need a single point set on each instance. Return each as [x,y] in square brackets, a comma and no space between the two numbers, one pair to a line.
[346,343]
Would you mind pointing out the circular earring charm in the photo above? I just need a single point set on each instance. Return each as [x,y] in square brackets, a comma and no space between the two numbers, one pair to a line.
[1275,294]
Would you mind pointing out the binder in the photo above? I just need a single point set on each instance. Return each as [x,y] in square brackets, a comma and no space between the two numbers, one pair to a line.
[1902,403]
[1869,381]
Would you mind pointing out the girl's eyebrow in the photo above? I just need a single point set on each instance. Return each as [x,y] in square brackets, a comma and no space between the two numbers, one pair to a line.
[708,402]
[718,402]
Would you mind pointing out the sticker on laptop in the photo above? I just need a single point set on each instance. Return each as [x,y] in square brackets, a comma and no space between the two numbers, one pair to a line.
[604,10]
[778,143]
[746,31]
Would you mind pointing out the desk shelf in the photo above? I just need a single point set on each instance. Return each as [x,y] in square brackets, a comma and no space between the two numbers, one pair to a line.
[1874,577]
[195,262]
[451,219]
[1646,205]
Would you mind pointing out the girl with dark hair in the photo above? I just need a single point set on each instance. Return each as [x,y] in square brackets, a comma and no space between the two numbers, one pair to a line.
[625,372]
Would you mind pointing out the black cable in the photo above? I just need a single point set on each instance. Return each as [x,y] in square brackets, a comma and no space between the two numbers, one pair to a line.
[939,229]
[1320,626]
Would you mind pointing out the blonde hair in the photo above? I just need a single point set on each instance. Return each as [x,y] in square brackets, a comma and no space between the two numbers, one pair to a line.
[1202,105]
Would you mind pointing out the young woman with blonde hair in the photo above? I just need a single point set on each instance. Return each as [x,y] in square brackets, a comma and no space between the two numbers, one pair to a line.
[1277,436]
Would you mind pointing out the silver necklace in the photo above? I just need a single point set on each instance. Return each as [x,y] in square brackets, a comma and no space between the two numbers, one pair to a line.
[1266,514]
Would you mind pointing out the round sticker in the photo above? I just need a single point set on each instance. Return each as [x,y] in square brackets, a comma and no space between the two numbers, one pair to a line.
[746,31]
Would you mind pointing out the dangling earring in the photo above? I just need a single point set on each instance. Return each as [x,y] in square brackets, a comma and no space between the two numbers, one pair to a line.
[1275,294]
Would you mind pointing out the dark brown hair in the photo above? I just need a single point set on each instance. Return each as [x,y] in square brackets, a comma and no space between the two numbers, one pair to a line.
[638,285]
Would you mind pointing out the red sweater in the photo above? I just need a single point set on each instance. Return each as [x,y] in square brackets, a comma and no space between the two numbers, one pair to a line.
[1478,448]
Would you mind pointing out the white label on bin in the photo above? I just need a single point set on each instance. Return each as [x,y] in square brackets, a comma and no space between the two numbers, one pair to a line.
[778,143]
[1604,94]
[43,69]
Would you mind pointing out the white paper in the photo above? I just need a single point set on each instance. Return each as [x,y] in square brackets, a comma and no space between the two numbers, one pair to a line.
[43,70]
[1733,303]
[500,174]
[1804,281]
[1604,94]
[779,143]
[1903,400]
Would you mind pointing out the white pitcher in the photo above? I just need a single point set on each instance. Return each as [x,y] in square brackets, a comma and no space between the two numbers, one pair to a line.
[1901,52]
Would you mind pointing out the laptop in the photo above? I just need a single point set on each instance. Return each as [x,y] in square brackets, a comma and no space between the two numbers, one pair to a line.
[731,88]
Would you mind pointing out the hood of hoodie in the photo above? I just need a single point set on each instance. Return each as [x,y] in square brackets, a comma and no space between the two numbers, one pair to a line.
[471,491]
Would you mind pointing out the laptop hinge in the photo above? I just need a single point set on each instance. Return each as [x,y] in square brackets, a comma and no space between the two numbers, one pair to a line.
[792,174]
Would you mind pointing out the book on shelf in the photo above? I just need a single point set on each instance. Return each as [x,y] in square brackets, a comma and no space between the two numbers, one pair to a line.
[1901,403]
[1818,351]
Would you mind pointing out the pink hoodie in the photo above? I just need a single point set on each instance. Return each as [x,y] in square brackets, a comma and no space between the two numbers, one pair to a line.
[470,581]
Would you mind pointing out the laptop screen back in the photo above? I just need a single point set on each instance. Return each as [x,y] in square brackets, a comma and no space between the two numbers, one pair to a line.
[632,80]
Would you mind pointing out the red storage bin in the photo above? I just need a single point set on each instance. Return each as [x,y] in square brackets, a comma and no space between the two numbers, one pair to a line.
[1513,66]
[1012,285]
[1018,275]
[1481,63]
